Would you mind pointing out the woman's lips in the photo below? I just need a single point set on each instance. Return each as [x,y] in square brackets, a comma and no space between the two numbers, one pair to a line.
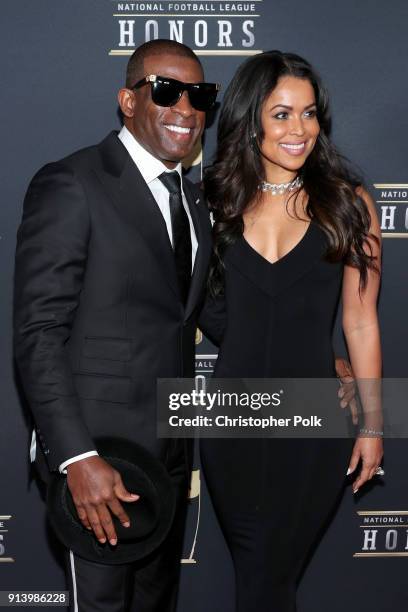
[293,149]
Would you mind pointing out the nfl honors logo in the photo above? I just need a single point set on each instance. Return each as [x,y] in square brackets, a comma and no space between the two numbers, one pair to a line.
[4,524]
[211,28]
[384,533]
[392,207]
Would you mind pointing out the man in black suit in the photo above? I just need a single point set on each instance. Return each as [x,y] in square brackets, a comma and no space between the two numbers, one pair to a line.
[111,262]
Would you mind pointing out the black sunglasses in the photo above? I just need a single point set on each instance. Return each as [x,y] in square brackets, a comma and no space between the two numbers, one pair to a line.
[167,92]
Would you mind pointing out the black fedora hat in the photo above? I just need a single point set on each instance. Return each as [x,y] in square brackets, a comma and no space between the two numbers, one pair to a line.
[150,516]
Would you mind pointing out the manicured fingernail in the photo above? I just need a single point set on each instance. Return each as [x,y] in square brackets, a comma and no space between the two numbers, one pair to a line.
[113,542]
[355,490]
[127,524]
[135,496]
[102,540]
[343,403]
[89,528]
[349,471]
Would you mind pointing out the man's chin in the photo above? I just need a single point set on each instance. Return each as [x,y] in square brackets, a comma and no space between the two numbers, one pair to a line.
[173,151]
[176,156]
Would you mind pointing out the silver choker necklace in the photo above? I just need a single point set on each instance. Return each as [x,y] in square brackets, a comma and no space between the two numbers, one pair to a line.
[280,188]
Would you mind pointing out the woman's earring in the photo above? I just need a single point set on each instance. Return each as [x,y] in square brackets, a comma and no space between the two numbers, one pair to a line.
[253,142]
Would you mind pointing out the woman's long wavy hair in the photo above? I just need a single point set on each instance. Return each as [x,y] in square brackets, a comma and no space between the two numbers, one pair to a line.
[231,183]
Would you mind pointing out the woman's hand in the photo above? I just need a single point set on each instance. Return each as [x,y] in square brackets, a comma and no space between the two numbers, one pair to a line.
[370,451]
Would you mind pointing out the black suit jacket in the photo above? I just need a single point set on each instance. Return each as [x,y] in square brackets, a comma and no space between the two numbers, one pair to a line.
[98,316]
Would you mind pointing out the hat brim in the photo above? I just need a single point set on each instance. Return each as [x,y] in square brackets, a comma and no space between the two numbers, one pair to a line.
[158,486]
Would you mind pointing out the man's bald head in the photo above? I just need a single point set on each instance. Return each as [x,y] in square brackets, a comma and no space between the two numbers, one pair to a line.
[155,127]
[135,68]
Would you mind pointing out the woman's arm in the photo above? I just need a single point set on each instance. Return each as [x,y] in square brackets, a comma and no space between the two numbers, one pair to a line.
[361,330]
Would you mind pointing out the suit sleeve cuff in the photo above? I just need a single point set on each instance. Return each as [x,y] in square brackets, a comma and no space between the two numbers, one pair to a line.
[63,466]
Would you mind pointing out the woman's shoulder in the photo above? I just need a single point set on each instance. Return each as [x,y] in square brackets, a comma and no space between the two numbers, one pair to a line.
[365,196]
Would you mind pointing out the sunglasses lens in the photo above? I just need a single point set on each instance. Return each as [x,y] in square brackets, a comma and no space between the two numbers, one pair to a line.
[165,93]
[203,96]
[168,92]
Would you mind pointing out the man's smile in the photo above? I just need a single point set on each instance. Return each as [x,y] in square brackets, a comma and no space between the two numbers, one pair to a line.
[178,128]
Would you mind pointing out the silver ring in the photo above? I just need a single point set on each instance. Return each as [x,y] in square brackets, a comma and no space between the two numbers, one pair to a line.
[379,471]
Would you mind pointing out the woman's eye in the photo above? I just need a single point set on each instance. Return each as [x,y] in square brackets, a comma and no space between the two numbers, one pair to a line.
[284,115]
[281,115]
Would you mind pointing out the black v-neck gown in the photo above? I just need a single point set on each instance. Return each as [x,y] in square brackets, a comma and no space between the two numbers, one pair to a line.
[273,497]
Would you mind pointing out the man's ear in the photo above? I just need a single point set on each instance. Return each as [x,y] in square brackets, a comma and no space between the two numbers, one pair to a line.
[127,102]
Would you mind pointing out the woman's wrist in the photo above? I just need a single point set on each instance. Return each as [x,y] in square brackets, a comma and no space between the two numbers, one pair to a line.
[371,433]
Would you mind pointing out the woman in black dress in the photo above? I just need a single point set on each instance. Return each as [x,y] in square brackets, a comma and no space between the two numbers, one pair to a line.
[293,231]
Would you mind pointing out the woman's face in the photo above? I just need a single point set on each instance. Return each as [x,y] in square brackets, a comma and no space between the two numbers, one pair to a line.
[290,128]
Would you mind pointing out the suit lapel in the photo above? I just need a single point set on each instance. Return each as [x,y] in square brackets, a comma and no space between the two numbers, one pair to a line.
[134,201]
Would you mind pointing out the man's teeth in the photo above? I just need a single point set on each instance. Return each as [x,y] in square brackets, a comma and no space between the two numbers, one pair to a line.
[294,147]
[178,129]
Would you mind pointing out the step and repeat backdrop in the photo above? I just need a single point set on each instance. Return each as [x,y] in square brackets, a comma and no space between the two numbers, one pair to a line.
[62,64]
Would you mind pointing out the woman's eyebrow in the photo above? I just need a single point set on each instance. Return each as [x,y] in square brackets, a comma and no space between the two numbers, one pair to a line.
[291,107]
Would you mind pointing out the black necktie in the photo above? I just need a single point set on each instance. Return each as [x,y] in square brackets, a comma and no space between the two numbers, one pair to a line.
[181,231]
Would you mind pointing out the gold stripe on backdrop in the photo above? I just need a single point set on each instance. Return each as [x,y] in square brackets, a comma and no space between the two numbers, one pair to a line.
[121,52]
[179,15]
[391,185]
[394,235]
[390,554]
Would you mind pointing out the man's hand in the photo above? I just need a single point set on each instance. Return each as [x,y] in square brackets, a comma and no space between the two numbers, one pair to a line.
[347,391]
[96,487]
